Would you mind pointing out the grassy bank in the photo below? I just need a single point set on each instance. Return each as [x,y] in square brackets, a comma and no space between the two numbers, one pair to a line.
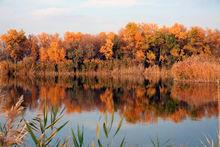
[68,68]
[200,68]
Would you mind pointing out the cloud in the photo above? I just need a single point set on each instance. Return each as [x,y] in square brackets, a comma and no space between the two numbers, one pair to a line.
[109,3]
[50,12]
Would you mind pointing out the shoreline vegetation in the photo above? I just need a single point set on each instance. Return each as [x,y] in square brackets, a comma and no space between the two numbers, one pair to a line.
[199,68]
[177,52]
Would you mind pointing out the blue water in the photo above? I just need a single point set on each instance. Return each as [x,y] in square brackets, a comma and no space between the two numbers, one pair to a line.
[175,119]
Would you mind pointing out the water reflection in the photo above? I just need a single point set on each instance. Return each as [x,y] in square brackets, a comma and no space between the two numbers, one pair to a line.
[141,100]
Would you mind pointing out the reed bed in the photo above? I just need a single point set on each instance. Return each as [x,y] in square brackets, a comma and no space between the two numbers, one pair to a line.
[197,69]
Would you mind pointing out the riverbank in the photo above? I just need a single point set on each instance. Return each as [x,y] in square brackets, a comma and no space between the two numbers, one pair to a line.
[193,69]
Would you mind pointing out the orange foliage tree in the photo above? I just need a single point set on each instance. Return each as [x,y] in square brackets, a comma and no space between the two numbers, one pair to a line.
[15,44]
[107,48]
[146,44]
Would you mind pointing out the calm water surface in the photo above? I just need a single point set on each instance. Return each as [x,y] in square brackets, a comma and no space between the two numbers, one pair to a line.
[179,112]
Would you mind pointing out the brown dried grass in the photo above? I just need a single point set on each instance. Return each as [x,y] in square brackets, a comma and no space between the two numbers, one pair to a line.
[13,131]
[155,73]
[198,68]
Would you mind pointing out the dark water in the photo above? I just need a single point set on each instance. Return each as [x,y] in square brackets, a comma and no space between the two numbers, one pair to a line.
[182,113]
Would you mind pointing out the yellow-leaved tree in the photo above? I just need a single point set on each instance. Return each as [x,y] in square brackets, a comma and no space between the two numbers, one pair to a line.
[106,49]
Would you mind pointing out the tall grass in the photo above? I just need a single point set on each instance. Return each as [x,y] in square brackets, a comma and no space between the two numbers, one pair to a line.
[197,68]
[208,141]
[43,128]
[109,134]
[155,73]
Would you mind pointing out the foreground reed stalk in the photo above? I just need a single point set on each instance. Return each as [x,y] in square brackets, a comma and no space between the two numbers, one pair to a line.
[13,131]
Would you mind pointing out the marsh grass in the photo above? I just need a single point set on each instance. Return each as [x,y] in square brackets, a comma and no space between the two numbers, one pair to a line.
[106,127]
[197,69]
[157,143]
[208,141]
[155,73]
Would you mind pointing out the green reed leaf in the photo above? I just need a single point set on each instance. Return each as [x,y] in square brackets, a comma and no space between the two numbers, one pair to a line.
[48,140]
[122,142]
[99,143]
[76,144]
[105,129]
[34,138]
[119,126]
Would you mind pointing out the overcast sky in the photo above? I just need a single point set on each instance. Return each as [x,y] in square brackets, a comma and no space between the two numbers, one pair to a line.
[93,16]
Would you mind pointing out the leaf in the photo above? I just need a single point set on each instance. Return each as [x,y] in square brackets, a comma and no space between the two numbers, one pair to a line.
[34,138]
[105,129]
[80,136]
[122,142]
[97,130]
[112,120]
[154,145]
[52,124]
[93,144]
[76,144]
[33,126]
[166,142]
[45,115]
[1,129]
[119,126]
[99,143]
[42,127]
[54,133]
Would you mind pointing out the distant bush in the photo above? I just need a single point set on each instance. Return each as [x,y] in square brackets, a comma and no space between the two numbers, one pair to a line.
[197,68]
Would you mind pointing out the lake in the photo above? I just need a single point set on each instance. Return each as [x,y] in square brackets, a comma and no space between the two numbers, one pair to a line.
[172,112]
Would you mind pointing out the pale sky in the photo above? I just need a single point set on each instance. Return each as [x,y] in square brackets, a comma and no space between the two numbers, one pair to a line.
[94,16]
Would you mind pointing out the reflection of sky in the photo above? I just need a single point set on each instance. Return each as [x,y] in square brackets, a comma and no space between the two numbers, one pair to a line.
[187,132]
[104,15]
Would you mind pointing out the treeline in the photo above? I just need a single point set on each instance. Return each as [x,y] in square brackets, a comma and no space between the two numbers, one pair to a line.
[135,44]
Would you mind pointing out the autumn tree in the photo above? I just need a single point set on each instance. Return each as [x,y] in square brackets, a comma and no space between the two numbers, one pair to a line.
[133,40]
[107,49]
[56,53]
[88,47]
[180,34]
[43,55]
[15,44]
[44,39]
[71,43]
[213,40]
[136,43]
[195,42]
[34,47]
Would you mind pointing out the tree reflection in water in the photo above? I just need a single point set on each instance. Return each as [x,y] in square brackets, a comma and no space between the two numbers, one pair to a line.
[139,100]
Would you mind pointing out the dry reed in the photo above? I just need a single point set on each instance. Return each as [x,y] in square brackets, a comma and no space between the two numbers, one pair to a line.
[197,68]
[13,131]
